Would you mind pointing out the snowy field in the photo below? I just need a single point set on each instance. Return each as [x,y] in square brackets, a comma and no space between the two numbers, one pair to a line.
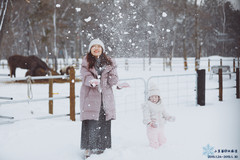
[213,128]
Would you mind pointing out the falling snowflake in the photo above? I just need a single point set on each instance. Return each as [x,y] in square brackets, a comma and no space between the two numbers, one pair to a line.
[164,14]
[58,5]
[109,48]
[78,9]
[150,24]
[208,150]
[120,15]
[87,19]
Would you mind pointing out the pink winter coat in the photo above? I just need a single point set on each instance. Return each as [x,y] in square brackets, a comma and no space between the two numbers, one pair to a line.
[90,97]
[152,111]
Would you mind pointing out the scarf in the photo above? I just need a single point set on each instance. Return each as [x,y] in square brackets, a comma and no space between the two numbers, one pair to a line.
[100,65]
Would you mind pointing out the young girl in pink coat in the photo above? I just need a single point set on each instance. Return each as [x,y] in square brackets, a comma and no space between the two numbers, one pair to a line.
[155,117]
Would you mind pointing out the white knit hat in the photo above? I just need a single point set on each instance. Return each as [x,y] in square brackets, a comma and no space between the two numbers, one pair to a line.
[153,90]
[94,42]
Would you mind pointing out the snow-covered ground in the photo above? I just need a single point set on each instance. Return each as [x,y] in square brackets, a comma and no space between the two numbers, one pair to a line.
[196,127]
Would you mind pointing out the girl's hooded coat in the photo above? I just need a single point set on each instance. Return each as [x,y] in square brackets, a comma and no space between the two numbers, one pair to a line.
[152,111]
[91,98]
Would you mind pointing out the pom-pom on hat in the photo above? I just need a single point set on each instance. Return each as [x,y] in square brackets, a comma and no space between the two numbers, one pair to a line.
[153,90]
[94,42]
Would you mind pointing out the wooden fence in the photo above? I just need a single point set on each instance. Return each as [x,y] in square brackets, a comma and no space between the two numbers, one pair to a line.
[71,79]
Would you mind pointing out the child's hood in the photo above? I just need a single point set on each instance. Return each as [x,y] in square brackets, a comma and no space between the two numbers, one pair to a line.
[153,90]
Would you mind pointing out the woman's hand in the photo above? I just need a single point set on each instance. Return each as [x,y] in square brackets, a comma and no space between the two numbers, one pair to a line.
[122,85]
[153,124]
[94,82]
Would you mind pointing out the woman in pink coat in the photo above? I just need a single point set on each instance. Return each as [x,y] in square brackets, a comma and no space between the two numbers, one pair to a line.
[97,105]
[155,117]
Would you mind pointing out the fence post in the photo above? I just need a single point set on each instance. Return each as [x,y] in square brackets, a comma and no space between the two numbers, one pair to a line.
[164,63]
[220,62]
[149,62]
[143,64]
[237,83]
[201,87]
[50,92]
[126,64]
[208,65]
[220,84]
[170,63]
[234,66]
[238,62]
[72,94]
[197,64]
[185,64]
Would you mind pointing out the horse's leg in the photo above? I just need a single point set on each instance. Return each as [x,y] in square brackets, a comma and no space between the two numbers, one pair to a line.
[13,71]
[33,68]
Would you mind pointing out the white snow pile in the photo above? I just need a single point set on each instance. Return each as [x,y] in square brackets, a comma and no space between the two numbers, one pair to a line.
[198,131]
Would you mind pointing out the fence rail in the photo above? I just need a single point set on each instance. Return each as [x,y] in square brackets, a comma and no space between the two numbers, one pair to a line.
[51,98]
[33,78]
[178,89]
[172,87]
[34,100]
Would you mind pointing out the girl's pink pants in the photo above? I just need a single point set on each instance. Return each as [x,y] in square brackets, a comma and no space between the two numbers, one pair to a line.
[156,136]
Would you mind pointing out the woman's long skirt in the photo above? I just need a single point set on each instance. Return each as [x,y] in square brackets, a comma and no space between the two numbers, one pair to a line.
[96,134]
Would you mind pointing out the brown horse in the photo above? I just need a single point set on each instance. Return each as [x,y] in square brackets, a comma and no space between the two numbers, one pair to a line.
[41,72]
[29,62]
[65,70]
